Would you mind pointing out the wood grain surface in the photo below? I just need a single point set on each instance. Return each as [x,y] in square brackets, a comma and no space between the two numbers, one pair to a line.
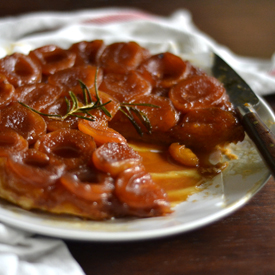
[244,242]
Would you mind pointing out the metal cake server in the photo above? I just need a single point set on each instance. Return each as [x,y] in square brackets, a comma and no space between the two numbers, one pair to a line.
[245,101]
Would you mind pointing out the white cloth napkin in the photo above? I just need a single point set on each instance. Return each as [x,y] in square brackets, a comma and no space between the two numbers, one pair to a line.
[176,33]
[23,253]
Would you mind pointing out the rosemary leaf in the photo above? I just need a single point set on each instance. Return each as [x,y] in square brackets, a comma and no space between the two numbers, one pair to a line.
[96,90]
[143,118]
[49,115]
[130,107]
[106,112]
[68,103]
[131,118]
[86,108]
[89,115]
[83,88]
[86,91]
[74,100]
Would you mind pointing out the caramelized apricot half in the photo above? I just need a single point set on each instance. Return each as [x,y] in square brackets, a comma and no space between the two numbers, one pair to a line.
[11,142]
[164,69]
[25,122]
[122,57]
[114,158]
[87,52]
[183,155]
[125,87]
[69,78]
[68,146]
[99,189]
[53,58]
[163,116]
[20,69]
[206,128]
[58,107]
[33,167]
[196,92]
[136,188]
[38,96]
[100,131]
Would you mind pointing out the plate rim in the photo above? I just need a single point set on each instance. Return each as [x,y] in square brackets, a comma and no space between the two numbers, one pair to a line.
[95,236]
[121,236]
[114,236]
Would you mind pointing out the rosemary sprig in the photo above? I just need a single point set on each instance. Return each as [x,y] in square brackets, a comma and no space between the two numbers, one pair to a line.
[76,109]
[129,108]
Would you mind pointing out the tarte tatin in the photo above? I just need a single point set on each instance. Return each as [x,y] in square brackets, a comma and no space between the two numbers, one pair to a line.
[72,119]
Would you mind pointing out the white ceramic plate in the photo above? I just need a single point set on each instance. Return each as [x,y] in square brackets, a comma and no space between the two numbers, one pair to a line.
[229,191]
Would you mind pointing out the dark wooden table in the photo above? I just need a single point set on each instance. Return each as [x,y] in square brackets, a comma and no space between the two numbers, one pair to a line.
[244,242]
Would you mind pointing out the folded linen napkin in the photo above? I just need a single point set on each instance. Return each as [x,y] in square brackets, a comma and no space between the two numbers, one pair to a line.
[24,253]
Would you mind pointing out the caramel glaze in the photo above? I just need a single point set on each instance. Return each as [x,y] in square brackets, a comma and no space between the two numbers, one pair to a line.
[87,168]
[179,181]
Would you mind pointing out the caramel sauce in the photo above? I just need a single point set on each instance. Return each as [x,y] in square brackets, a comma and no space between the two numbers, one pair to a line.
[178,181]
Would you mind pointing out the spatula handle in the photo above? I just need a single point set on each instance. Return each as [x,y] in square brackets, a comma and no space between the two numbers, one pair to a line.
[260,134]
